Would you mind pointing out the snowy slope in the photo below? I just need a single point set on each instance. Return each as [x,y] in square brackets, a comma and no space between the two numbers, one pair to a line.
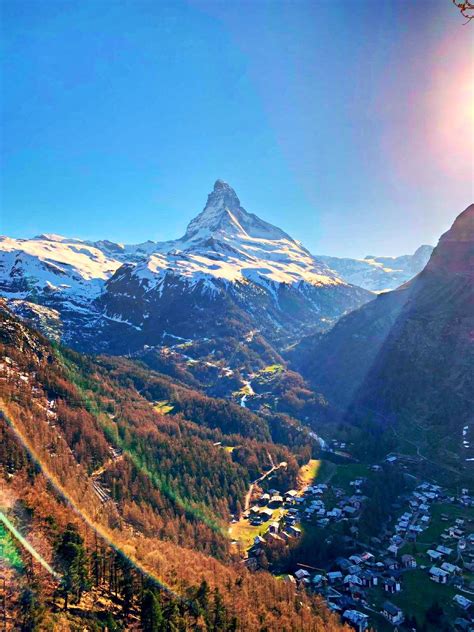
[229,267]
[379,273]
[225,242]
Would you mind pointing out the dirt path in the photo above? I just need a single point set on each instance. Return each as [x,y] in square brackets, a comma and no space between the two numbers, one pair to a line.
[248,495]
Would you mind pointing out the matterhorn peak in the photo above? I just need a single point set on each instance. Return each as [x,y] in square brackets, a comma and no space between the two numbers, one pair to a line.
[224,217]
[224,196]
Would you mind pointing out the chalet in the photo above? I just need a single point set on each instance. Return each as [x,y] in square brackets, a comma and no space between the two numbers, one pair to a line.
[352,580]
[354,569]
[334,513]
[274,527]
[258,540]
[318,580]
[301,573]
[391,563]
[391,585]
[408,561]
[266,514]
[273,537]
[438,575]
[392,613]
[369,579]
[462,601]
[275,501]
[349,510]
[434,555]
[444,550]
[294,531]
[393,548]
[452,569]
[291,494]
[357,620]
[334,577]
[264,499]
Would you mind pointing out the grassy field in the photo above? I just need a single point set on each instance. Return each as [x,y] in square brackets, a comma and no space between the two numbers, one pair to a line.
[309,472]
[347,473]
[437,525]
[163,407]
[419,593]
[272,368]
[244,533]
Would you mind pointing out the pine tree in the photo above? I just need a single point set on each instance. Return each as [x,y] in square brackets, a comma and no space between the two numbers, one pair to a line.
[70,558]
[151,615]
[31,609]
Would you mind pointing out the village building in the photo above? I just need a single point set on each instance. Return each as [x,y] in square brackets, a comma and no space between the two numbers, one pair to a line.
[275,501]
[462,601]
[391,585]
[294,531]
[334,576]
[301,573]
[438,575]
[358,620]
[434,555]
[266,514]
[392,613]
[452,569]
[391,563]
[408,561]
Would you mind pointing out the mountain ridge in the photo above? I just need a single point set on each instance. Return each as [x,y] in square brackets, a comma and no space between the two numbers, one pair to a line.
[228,261]
[379,274]
[407,356]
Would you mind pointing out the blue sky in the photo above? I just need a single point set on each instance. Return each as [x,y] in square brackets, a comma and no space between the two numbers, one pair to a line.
[346,124]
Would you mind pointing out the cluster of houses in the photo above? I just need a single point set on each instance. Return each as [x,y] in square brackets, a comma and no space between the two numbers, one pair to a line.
[346,587]
[308,504]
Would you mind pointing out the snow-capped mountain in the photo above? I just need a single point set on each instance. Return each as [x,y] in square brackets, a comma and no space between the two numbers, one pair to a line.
[226,243]
[379,274]
[230,271]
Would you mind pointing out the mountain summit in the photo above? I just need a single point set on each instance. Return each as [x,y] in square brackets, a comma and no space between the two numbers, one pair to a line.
[223,215]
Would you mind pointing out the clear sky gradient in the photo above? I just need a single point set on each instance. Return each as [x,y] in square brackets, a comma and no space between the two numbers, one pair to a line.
[349,125]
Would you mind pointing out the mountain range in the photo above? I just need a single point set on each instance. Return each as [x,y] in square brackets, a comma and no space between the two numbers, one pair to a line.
[379,274]
[231,272]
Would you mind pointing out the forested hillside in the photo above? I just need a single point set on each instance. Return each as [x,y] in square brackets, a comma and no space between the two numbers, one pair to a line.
[129,505]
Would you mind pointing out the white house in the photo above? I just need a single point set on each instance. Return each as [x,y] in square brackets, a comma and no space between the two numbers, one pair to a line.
[438,575]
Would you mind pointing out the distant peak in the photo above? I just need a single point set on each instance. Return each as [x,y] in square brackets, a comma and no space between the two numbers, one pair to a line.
[49,237]
[223,195]
[220,184]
